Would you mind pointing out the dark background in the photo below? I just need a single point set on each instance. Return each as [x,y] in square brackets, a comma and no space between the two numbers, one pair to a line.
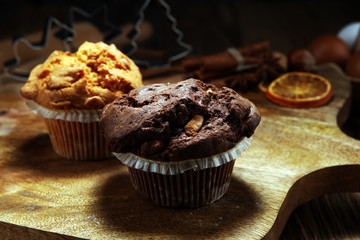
[212,26]
[208,26]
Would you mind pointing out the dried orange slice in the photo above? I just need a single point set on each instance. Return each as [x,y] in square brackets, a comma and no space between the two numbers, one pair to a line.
[300,90]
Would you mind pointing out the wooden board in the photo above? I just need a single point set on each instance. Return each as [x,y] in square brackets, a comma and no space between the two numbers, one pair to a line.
[296,155]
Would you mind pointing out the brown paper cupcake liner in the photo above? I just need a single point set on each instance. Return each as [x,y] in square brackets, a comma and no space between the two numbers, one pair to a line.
[77,140]
[188,189]
[188,183]
[74,134]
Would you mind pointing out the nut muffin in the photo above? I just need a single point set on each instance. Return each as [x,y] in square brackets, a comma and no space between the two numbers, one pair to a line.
[70,90]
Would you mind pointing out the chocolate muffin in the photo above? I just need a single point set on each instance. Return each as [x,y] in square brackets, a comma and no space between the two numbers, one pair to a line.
[158,121]
[180,141]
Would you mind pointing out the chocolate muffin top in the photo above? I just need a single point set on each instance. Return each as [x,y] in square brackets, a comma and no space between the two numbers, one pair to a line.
[174,122]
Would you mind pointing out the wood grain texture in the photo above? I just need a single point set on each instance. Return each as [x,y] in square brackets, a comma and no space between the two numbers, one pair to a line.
[333,216]
[296,155]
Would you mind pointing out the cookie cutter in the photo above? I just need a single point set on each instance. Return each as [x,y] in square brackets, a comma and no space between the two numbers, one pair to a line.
[67,34]
[16,61]
[105,23]
[179,40]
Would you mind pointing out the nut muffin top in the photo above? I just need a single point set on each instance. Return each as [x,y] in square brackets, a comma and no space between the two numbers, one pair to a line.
[90,78]
[174,122]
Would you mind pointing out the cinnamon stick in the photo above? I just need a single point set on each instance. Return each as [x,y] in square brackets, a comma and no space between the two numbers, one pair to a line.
[206,75]
[218,66]
[191,64]
[255,48]
[225,62]
[224,59]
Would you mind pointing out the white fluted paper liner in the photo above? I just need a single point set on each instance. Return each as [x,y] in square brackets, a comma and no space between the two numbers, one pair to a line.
[172,168]
[73,115]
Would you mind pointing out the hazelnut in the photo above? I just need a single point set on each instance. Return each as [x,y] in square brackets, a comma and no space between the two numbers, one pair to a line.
[194,125]
[94,102]
[301,60]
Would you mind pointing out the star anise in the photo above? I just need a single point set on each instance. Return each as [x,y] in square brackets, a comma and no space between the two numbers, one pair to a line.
[267,70]
[243,81]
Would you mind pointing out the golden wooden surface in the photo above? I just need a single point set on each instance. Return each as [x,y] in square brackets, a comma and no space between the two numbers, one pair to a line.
[296,155]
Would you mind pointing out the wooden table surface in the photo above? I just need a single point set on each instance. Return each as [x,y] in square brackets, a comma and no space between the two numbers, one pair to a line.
[297,155]
[44,196]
